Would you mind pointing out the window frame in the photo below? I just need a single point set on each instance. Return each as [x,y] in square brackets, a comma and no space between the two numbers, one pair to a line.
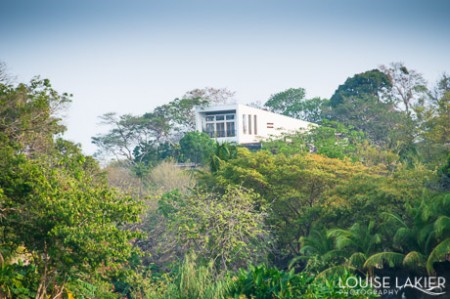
[221,119]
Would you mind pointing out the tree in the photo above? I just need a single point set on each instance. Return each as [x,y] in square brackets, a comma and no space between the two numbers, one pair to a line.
[196,147]
[331,139]
[436,124]
[226,229]
[28,113]
[293,185]
[284,101]
[129,132]
[408,86]
[5,78]
[367,196]
[58,214]
[358,242]
[359,103]
[310,110]
[223,152]
[145,140]
[419,240]
[68,222]
[179,114]
[444,173]
[292,102]
[212,96]
[370,83]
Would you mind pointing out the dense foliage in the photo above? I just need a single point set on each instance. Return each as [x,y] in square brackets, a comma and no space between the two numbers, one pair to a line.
[366,193]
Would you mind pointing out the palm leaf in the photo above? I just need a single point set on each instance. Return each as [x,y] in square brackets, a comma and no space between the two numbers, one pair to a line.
[439,253]
[425,236]
[357,260]
[378,260]
[338,232]
[414,260]
[297,259]
[442,226]
[402,236]
[396,218]
[336,253]
[341,237]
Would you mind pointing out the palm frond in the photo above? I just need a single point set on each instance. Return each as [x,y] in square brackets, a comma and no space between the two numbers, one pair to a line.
[439,253]
[442,226]
[338,232]
[378,260]
[414,260]
[297,259]
[395,218]
[335,253]
[402,236]
[425,235]
[342,237]
[357,260]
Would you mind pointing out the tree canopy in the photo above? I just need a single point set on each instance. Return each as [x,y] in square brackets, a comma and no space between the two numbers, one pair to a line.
[365,194]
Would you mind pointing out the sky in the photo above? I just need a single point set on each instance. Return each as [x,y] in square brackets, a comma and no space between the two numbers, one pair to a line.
[132,56]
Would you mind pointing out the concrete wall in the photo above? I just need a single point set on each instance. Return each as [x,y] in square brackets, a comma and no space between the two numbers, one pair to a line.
[268,124]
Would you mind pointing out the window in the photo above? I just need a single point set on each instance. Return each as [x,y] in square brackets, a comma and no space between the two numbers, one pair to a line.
[255,125]
[210,129]
[220,129]
[244,124]
[220,125]
[230,129]
[249,124]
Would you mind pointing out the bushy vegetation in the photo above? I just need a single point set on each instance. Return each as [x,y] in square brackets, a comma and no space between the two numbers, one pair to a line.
[366,193]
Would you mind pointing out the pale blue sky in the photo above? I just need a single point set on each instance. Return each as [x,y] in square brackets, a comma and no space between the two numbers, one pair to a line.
[131,56]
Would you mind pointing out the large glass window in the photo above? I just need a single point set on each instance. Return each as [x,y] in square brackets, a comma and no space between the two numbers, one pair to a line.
[220,125]
[230,129]
[210,129]
[220,129]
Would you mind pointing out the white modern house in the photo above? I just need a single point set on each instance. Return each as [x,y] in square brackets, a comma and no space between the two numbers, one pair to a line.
[245,125]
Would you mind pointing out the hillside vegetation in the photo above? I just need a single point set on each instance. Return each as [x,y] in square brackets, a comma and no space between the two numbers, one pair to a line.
[365,193]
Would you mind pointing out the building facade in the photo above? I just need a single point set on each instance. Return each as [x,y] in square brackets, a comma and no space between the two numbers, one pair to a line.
[245,125]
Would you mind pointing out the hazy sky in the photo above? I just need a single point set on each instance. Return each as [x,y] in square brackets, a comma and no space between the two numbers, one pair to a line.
[131,56]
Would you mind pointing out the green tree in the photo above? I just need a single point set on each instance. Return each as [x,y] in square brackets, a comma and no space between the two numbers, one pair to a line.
[58,214]
[408,86]
[436,124]
[143,141]
[358,242]
[283,101]
[292,102]
[293,185]
[196,147]
[331,139]
[222,153]
[370,83]
[211,96]
[360,103]
[179,114]
[29,113]
[421,237]
[129,132]
[226,229]
[444,173]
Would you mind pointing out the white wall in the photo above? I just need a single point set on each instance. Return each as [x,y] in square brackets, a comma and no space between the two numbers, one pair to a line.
[281,124]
